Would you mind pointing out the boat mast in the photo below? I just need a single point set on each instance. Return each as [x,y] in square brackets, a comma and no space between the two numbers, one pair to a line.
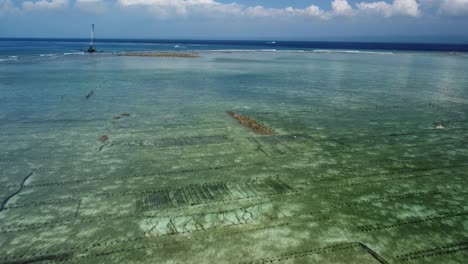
[92,36]
[91,48]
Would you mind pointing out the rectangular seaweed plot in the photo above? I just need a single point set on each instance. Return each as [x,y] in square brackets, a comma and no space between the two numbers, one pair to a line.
[156,200]
[179,142]
[209,193]
[187,196]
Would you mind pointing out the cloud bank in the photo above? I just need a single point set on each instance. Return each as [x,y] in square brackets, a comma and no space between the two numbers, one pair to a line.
[212,8]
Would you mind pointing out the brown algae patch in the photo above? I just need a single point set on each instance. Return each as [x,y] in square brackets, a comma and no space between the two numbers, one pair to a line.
[163,54]
[251,123]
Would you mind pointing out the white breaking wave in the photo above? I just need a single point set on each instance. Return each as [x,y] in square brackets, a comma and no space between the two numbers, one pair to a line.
[10,58]
[353,52]
[74,53]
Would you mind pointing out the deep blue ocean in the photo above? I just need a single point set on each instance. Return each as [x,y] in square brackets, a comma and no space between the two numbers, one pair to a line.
[26,46]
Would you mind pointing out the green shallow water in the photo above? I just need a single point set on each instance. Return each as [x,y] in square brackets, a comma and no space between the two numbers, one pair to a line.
[367,162]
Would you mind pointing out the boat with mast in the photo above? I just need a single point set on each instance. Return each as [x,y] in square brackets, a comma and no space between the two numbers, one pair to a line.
[91,49]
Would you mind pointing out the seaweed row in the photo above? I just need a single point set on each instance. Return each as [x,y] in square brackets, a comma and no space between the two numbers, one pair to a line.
[387,198]
[305,253]
[451,248]
[281,139]
[42,203]
[251,123]
[377,227]
[84,250]
[43,157]
[106,195]
[15,228]
[134,162]
[52,224]
[170,172]
[162,143]
[61,223]
[194,195]
[394,172]
[341,186]
[179,142]
[39,258]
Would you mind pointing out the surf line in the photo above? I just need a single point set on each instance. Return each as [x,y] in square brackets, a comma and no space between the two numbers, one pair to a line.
[4,203]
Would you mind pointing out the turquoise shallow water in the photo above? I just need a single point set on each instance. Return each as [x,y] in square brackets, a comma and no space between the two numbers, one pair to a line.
[367,161]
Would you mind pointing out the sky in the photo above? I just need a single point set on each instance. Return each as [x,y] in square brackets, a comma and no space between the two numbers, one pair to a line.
[346,20]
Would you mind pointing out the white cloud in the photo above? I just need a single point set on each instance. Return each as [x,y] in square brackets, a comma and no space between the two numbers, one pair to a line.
[341,8]
[213,8]
[167,8]
[398,7]
[260,11]
[454,7]
[44,4]
[406,7]
[376,7]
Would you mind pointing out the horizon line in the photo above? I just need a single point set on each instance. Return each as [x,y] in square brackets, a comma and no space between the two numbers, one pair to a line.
[237,40]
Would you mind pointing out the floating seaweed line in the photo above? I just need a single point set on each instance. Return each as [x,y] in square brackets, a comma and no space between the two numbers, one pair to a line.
[251,123]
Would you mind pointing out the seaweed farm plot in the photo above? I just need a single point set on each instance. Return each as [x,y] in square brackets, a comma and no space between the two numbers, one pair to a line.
[194,195]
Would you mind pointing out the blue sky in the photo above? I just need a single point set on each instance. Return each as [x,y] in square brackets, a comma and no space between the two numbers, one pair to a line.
[359,20]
